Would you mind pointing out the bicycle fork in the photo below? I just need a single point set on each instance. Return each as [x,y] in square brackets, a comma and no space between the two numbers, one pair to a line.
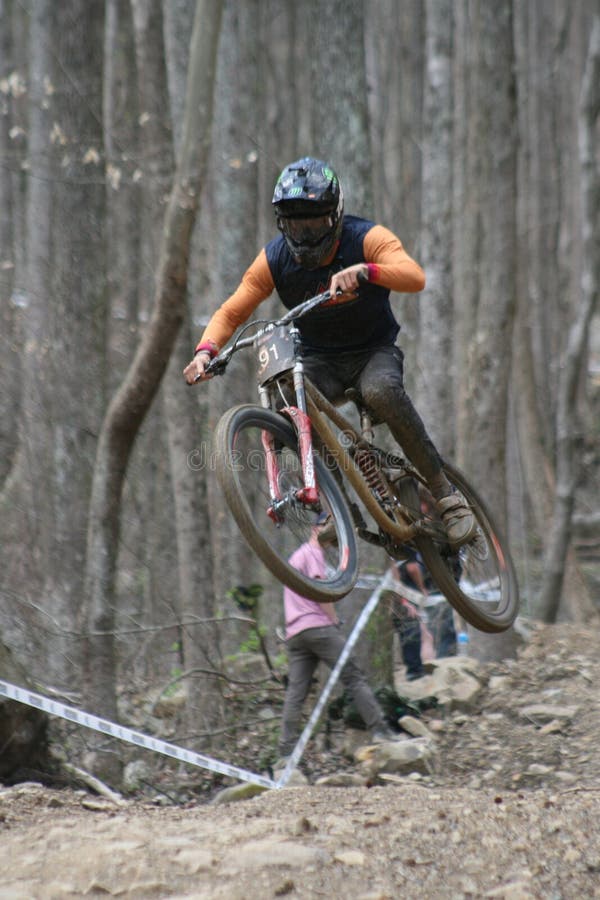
[308,494]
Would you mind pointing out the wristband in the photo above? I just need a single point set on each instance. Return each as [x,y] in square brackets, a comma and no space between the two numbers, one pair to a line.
[373,271]
[207,347]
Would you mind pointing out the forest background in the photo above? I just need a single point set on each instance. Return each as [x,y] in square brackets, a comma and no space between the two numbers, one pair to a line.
[139,144]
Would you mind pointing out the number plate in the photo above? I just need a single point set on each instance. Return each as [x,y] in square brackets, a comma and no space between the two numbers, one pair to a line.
[275,351]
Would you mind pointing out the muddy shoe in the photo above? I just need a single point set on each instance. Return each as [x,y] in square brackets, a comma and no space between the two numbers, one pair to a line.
[458,519]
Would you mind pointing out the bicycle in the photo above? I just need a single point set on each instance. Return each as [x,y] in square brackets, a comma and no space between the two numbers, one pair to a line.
[277,479]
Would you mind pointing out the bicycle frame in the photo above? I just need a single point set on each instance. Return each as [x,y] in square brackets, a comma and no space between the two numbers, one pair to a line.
[320,409]
[312,410]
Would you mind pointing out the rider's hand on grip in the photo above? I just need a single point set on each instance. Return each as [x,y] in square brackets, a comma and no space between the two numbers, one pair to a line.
[196,370]
[347,280]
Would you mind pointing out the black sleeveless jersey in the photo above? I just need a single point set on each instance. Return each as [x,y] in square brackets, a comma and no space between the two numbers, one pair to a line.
[357,324]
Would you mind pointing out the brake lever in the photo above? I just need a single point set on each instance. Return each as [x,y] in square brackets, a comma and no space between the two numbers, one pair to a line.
[217,365]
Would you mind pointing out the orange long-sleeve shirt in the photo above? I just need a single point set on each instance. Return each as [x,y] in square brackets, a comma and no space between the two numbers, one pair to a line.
[390,267]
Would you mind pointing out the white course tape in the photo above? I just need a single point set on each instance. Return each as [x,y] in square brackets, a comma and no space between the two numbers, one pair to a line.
[72,714]
[156,745]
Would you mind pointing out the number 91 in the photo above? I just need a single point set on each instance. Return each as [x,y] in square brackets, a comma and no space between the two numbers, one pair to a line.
[263,358]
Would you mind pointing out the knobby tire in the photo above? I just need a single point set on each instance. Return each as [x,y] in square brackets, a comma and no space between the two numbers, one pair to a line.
[241,470]
[492,613]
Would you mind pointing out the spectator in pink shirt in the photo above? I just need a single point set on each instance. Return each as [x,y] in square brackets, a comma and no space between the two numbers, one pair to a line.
[313,635]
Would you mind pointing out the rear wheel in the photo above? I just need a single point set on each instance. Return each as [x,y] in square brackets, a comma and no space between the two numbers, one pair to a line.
[276,531]
[478,579]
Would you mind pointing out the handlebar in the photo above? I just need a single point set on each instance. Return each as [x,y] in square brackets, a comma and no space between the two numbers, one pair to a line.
[218,365]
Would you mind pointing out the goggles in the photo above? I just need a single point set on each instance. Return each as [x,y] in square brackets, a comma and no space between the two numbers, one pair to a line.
[308,231]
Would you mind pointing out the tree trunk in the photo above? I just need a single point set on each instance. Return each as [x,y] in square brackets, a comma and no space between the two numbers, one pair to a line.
[484,192]
[235,216]
[23,730]
[178,21]
[539,52]
[395,65]
[10,374]
[123,205]
[78,314]
[61,298]
[486,211]
[156,173]
[185,424]
[193,521]
[394,47]
[132,401]
[568,424]
[341,132]
[30,489]
[435,396]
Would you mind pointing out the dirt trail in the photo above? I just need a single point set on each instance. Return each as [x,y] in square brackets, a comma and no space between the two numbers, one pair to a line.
[512,811]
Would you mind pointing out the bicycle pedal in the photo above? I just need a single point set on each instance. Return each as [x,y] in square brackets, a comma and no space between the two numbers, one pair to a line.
[431,529]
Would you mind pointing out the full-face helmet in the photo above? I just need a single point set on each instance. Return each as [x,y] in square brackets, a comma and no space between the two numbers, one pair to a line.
[309,206]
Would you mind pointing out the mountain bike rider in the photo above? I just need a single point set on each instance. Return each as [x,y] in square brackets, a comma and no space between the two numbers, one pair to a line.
[348,342]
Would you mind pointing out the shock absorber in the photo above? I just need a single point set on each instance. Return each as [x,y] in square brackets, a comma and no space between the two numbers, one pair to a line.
[367,464]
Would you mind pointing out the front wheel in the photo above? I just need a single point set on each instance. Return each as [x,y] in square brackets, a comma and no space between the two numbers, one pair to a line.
[479,578]
[249,443]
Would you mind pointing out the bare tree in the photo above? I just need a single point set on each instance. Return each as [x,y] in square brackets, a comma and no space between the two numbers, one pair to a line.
[539,52]
[132,401]
[569,427]
[78,306]
[484,236]
[395,65]
[235,203]
[23,729]
[340,129]
[484,206]
[10,374]
[62,312]
[186,414]
[435,381]
[121,138]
